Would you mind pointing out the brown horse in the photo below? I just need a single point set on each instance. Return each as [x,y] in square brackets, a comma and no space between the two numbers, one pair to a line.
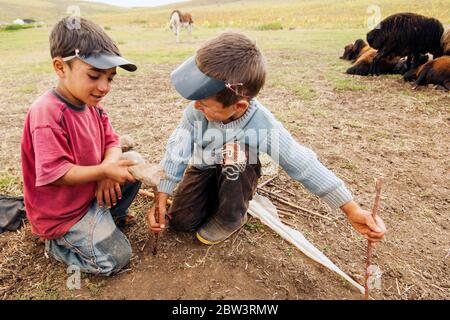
[178,20]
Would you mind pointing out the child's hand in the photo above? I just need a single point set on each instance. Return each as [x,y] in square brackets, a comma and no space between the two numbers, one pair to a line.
[108,193]
[152,224]
[363,222]
[118,171]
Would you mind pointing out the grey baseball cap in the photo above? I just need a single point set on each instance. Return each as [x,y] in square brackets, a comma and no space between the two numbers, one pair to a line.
[104,61]
[193,84]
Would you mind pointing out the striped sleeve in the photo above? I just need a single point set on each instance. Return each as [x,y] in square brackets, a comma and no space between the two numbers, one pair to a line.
[178,153]
[301,164]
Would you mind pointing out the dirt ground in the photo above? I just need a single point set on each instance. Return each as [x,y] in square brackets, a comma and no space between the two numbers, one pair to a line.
[384,130]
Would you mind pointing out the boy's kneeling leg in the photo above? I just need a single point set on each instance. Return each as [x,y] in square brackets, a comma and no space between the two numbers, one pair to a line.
[192,200]
[94,244]
[236,188]
[111,248]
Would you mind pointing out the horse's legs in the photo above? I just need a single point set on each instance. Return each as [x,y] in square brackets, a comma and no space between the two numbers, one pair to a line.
[178,33]
[190,31]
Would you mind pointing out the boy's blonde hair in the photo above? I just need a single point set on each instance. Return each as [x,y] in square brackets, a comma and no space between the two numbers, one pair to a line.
[233,58]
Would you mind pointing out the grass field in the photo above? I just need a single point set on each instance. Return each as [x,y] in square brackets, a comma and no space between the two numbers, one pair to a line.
[360,127]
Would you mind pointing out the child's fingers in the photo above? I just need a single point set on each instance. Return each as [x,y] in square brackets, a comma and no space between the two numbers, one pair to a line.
[372,240]
[127,163]
[99,196]
[112,195]
[152,224]
[107,199]
[130,177]
[162,218]
[380,224]
[370,222]
[118,191]
[375,235]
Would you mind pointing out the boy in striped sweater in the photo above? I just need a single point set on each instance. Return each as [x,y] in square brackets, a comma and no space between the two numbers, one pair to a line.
[212,156]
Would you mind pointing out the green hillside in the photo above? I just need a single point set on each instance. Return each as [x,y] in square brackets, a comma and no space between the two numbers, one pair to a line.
[285,13]
[259,14]
[50,10]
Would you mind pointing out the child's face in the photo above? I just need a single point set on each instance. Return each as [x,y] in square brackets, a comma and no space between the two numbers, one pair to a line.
[215,111]
[85,83]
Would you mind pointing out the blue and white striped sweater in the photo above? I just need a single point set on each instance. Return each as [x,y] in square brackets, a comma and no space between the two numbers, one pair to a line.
[198,141]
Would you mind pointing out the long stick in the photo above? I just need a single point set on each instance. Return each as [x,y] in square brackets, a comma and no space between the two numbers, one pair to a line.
[375,208]
[156,201]
[293,205]
[267,181]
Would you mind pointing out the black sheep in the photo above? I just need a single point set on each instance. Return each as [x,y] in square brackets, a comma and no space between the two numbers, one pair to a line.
[436,71]
[405,34]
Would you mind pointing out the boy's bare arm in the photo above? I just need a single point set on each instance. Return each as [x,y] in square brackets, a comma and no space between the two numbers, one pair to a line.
[117,171]
[112,155]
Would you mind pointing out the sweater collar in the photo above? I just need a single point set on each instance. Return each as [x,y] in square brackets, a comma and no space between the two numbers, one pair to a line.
[242,120]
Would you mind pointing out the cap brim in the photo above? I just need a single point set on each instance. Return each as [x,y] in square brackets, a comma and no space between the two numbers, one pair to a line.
[103,61]
[193,84]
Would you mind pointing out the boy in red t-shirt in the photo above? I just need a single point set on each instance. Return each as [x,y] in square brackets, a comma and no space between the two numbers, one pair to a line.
[75,182]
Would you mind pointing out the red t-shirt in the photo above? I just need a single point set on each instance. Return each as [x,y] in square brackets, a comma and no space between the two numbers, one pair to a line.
[58,135]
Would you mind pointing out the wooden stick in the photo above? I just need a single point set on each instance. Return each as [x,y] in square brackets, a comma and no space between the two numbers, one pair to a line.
[295,212]
[266,182]
[293,205]
[152,195]
[284,190]
[285,213]
[156,197]
[375,208]
[288,223]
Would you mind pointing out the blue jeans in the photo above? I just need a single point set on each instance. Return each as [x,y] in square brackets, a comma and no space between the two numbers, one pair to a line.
[95,244]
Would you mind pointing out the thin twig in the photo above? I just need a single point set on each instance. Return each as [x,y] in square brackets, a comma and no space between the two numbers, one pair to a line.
[375,208]
[145,244]
[287,191]
[398,288]
[409,288]
[266,182]
[295,212]
[285,213]
[293,205]
[155,191]
[202,261]
[288,223]
[437,287]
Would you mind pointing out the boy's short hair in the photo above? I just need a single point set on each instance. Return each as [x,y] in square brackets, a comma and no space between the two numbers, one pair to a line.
[86,36]
[234,58]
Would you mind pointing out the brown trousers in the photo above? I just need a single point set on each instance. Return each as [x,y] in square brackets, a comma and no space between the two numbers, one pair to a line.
[222,191]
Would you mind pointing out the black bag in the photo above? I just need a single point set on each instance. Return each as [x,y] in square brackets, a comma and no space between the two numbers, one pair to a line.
[12,213]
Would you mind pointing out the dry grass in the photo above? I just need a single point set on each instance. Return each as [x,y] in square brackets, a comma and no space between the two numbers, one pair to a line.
[360,127]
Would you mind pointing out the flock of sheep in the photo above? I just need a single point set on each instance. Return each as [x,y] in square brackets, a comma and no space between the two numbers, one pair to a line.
[402,44]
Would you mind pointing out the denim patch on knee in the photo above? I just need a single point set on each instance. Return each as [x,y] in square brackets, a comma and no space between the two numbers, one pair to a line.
[115,252]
